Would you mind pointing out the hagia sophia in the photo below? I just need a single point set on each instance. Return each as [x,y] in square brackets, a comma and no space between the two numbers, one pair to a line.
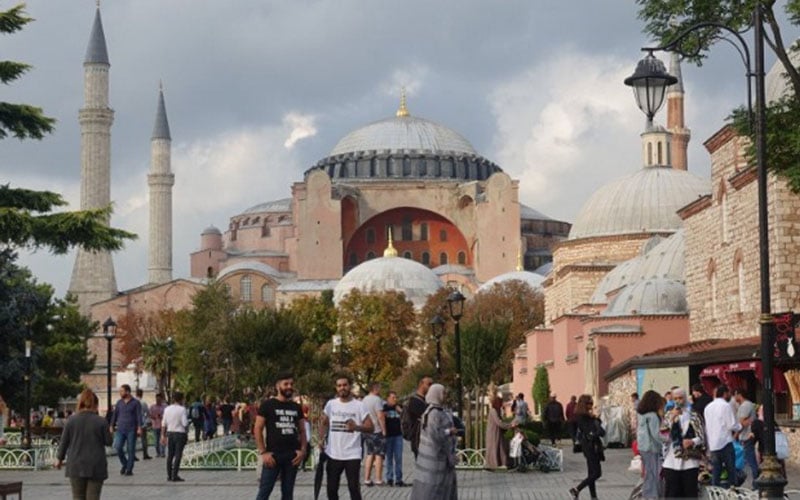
[408,204]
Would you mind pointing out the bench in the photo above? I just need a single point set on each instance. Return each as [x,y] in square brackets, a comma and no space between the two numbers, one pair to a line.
[11,491]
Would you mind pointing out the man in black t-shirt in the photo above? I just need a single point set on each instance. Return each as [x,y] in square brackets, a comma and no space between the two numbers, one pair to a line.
[285,446]
[415,407]
[394,441]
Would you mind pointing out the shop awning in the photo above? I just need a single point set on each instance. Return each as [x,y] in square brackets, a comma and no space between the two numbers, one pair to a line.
[733,375]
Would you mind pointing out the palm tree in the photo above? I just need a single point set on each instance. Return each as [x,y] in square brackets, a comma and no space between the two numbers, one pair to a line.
[155,356]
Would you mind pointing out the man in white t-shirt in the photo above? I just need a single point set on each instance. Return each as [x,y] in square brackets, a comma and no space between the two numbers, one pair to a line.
[375,442]
[343,446]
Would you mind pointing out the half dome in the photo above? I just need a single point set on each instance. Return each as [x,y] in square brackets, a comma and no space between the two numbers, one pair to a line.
[655,296]
[403,133]
[415,280]
[645,202]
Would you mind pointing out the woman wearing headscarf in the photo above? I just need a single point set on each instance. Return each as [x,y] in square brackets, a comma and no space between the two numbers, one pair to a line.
[496,446]
[83,441]
[435,471]
[685,448]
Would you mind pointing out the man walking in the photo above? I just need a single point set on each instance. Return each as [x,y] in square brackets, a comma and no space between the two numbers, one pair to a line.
[126,423]
[412,415]
[156,416]
[720,425]
[554,416]
[197,415]
[226,415]
[570,415]
[375,442]
[394,441]
[700,400]
[146,423]
[174,434]
[285,447]
[343,448]
[746,414]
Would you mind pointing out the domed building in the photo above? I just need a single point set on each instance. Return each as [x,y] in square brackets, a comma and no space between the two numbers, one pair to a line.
[447,208]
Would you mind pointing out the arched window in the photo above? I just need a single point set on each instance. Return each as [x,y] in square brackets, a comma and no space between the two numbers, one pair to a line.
[408,255]
[462,258]
[423,231]
[209,272]
[443,235]
[426,258]
[723,206]
[246,288]
[649,153]
[660,153]
[407,233]
[370,235]
[265,230]
[370,255]
[442,258]
[267,294]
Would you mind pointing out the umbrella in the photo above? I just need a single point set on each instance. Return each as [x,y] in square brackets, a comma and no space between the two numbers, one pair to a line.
[319,472]
[590,369]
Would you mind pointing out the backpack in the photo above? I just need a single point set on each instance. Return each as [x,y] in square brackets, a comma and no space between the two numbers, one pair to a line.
[408,425]
[194,412]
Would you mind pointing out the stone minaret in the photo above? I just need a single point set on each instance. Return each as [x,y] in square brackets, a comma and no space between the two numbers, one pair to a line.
[93,275]
[675,123]
[160,179]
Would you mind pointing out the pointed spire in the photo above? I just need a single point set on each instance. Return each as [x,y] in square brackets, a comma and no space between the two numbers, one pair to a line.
[161,127]
[390,250]
[402,111]
[96,52]
[675,70]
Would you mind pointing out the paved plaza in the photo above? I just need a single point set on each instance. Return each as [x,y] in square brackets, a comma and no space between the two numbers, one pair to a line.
[149,482]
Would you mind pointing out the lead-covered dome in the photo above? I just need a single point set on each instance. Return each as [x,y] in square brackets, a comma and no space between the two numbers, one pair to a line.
[415,280]
[531,279]
[658,296]
[645,202]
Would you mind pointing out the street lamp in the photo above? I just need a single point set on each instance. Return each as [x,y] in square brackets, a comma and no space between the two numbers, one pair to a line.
[650,82]
[770,482]
[109,331]
[204,355]
[26,441]
[170,352]
[455,302]
[437,328]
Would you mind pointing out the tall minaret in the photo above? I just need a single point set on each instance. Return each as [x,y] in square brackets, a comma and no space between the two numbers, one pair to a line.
[93,275]
[675,123]
[160,179]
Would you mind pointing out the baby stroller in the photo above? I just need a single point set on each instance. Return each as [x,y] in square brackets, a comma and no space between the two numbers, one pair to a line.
[527,456]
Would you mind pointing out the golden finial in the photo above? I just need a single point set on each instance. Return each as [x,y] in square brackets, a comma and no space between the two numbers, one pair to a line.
[390,250]
[520,267]
[402,111]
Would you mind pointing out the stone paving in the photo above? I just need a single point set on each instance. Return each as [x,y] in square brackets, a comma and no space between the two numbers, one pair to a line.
[148,482]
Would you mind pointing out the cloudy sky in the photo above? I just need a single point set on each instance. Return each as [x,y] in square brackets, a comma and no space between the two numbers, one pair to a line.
[258,91]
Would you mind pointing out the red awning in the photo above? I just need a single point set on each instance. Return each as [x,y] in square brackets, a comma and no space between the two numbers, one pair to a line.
[732,375]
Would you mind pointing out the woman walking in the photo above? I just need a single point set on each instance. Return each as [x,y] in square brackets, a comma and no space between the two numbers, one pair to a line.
[435,472]
[685,449]
[496,446]
[648,438]
[589,431]
[84,440]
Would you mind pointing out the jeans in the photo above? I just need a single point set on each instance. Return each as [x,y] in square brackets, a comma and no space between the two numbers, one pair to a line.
[84,488]
[175,443]
[158,445]
[652,473]
[125,445]
[593,469]
[334,470]
[284,469]
[726,456]
[394,458]
[750,461]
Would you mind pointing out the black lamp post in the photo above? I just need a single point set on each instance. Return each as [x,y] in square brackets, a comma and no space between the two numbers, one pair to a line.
[770,482]
[455,301]
[204,355]
[109,331]
[170,353]
[437,328]
[26,437]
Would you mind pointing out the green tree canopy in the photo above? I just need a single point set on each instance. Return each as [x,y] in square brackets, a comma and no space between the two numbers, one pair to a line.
[541,388]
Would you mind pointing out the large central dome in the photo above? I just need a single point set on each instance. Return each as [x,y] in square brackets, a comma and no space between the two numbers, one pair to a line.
[404,133]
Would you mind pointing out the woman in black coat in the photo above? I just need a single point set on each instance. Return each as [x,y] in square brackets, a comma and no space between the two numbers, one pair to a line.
[588,433]
[83,443]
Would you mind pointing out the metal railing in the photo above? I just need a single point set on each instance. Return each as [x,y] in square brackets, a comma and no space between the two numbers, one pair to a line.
[35,458]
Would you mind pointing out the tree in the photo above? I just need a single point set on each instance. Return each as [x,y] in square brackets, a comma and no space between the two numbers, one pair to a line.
[541,388]
[317,316]
[378,330]
[664,19]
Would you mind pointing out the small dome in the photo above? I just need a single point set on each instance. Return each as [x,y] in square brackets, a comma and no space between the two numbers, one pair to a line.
[647,297]
[532,279]
[664,260]
[645,202]
[390,273]
[403,133]
[211,230]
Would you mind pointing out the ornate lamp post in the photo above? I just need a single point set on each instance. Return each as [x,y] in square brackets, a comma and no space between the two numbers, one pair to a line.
[437,328]
[170,353]
[649,83]
[204,356]
[109,332]
[455,302]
